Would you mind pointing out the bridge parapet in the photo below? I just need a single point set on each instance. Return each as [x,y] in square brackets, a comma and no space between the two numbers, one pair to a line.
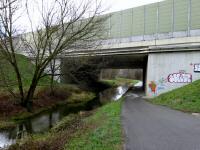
[142,47]
[149,28]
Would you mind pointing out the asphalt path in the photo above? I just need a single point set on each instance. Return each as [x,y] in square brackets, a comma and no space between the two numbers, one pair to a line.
[151,127]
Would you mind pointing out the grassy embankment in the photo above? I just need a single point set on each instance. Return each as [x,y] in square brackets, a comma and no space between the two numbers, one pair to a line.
[26,71]
[119,81]
[99,130]
[10,109]
[186,98]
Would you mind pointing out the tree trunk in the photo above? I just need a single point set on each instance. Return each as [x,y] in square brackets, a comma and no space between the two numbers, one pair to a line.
[20,84]
[53,71]
[29,97]
[52,85]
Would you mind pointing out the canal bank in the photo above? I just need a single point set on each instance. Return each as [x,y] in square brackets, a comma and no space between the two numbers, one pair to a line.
[12,114]
[45,124]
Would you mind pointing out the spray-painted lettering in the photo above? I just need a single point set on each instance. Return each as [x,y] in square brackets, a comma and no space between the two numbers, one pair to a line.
[180,78]
[196,67]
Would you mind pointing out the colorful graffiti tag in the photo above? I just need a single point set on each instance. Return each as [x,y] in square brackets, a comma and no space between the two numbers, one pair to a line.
[180,77]
[153,86]
[161,84]
[196,67]
[157,86]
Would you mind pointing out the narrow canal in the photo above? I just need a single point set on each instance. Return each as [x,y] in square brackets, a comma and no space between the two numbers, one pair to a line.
[45,121]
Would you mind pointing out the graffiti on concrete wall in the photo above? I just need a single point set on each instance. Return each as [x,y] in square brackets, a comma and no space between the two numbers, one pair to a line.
[157,87]
[196,67]
[153,87]
[162,84]
[180,77]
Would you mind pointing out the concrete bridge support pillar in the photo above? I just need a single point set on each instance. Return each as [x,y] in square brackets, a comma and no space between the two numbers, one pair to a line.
[145,73]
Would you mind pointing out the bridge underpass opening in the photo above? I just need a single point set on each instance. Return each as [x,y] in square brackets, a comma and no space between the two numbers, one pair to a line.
[125,65]
[123,76]
[90,72]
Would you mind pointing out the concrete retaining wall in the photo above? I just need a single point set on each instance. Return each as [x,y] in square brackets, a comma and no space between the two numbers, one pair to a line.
[167,71]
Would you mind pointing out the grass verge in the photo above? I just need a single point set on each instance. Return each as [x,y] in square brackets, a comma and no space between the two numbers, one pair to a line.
[186,98]
[119,81]
[102,130]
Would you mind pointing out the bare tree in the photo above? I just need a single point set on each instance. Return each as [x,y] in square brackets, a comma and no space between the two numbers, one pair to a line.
[7,32]
[53,71]
[64,27]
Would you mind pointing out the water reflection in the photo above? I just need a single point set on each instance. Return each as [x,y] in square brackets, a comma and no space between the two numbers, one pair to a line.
[113,94]
[139,84]
[6,139]
[39,124]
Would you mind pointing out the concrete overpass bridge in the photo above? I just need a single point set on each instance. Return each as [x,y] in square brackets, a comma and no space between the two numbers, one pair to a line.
[162,38]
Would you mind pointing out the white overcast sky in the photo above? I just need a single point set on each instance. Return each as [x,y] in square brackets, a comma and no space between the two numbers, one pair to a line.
[116,5]
[108,5]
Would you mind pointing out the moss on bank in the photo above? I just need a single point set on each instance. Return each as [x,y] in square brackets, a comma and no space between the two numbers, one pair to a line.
[5,125]
[186,98]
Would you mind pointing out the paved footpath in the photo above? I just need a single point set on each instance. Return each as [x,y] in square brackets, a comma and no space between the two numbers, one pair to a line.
[152,127]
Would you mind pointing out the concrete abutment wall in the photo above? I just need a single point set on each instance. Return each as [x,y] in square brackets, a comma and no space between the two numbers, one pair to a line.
[168,71]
